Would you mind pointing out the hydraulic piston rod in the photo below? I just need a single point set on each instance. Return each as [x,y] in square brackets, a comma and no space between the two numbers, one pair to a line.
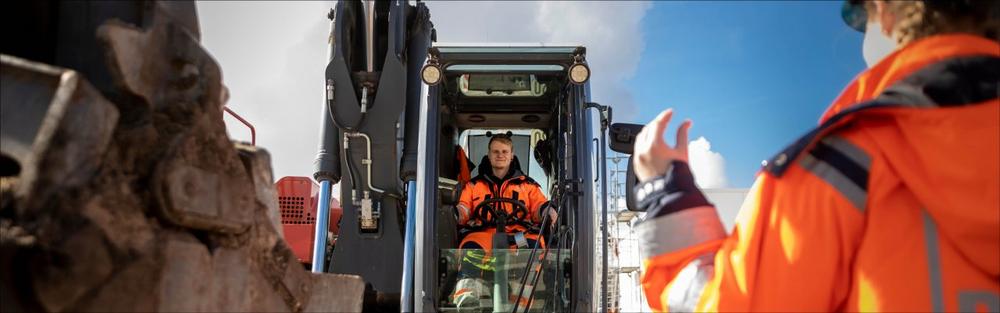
[322,218]
[327,170]
[370,34]
[406,298]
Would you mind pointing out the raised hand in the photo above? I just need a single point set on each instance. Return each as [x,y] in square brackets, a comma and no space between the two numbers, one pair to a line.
[652,155]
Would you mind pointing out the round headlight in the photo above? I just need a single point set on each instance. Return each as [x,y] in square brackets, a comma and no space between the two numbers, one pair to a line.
[579,73]
[431,74]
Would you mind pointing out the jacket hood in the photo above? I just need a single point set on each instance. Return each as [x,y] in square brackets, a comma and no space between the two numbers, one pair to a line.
[945,143]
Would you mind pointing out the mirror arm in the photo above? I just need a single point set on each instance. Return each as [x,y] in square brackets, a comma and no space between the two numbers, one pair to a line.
[605,113]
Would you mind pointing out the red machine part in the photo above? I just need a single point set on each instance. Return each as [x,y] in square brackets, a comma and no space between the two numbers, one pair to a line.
[298,199]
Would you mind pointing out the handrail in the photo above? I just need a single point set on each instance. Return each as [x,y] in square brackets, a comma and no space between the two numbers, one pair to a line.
[253,132]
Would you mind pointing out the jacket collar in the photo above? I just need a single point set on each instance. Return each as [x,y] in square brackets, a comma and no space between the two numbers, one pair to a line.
[872,82]
[512,173]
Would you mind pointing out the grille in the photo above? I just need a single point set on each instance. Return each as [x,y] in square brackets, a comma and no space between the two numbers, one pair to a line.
[293,210]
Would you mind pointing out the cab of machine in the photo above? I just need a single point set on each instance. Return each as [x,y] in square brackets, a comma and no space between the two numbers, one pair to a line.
[531,94]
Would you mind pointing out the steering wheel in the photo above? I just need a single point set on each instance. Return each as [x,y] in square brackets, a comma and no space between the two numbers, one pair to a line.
[486,212]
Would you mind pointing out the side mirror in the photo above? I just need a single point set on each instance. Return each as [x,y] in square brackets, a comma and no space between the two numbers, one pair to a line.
[622,137]
[630,182]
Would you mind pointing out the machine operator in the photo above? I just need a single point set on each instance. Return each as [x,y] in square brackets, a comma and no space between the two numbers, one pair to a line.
[501,180]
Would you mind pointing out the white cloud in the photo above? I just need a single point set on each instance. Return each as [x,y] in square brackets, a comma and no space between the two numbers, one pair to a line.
[273,57]
[709,167]
[611,31]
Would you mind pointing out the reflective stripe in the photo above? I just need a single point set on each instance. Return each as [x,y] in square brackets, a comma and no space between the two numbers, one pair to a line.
[910,94]
[479,259]
[522,243]
[969,300]
[842,165]
[844,162]
[853,152]
[686,290]
[933,263]
[463,213]
[837,180]
[461,292]
[678,230]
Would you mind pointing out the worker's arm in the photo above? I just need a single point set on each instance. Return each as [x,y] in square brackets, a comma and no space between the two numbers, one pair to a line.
[465,204]
[681,233]
[791,249]
[536,204]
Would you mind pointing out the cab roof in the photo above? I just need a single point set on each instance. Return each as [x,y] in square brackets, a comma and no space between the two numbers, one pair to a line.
[538,54]
[547,66]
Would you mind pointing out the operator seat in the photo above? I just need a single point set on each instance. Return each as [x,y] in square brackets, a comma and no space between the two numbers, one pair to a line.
[449,195]
[447,226]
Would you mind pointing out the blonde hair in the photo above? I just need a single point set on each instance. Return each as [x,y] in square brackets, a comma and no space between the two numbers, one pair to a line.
[501,139]
[916,20]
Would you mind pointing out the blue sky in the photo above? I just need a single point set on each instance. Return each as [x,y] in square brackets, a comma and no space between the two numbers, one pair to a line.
[752,76]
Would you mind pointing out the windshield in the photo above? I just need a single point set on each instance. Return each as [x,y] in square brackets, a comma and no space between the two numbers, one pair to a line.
[504,276]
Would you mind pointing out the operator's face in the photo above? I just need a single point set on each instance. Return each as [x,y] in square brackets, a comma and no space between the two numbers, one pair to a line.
[500,155]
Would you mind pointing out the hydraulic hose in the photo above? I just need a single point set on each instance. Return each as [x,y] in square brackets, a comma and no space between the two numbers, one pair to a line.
[531,258]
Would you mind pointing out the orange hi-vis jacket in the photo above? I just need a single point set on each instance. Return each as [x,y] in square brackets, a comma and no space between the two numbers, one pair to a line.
[518,186]
[891,204]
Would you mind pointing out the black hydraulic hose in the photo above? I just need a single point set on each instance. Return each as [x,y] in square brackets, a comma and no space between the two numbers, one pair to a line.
[349,160]
[534,279]
[350,168]
[531,296]
[527,268]
[531,256]
[556,238]
[347,157]
[354,184]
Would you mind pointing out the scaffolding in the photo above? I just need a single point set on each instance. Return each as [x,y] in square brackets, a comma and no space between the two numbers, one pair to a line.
[624,270]
[624,291]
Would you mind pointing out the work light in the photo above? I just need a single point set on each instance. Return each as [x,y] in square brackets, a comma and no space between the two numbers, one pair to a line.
[579,73]
[431,74]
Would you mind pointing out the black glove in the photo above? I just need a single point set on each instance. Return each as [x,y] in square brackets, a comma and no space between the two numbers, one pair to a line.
[669,193]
